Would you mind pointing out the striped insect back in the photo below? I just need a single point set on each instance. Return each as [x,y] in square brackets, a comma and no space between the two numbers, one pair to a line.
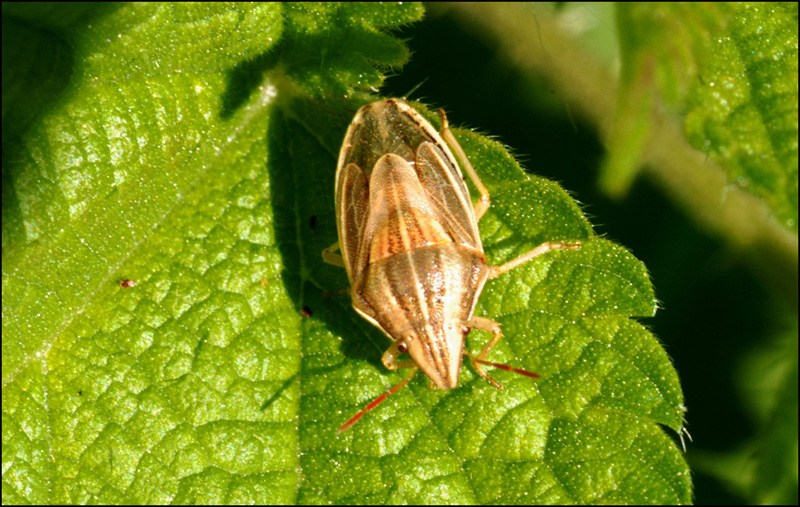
[409,240]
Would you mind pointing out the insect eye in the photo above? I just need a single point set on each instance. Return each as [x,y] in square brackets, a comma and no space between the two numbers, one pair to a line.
[403,346]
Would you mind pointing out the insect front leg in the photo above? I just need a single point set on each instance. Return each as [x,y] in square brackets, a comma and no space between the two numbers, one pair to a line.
[392,353]
[484,201]
[330,256]
[484,324]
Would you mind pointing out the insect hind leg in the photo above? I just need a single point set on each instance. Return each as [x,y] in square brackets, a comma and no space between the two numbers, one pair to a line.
[485,200]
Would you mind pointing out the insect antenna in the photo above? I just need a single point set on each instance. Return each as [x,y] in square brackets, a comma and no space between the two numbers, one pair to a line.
[476,361]
[508,368]
[375,403]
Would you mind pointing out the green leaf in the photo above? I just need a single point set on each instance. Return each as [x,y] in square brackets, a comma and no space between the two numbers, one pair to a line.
[192,149]
[743,113]
[733,69]
[660,47]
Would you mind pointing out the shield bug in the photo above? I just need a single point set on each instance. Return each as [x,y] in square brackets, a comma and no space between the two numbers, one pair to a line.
[409,240]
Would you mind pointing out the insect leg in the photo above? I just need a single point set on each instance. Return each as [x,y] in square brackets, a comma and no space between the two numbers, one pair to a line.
[495,271]
[484,324]
[484,201]
[330,256]
[391,354]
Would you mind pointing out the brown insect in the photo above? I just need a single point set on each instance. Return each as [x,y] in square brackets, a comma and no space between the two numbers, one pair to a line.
[408,237]
[127,284]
